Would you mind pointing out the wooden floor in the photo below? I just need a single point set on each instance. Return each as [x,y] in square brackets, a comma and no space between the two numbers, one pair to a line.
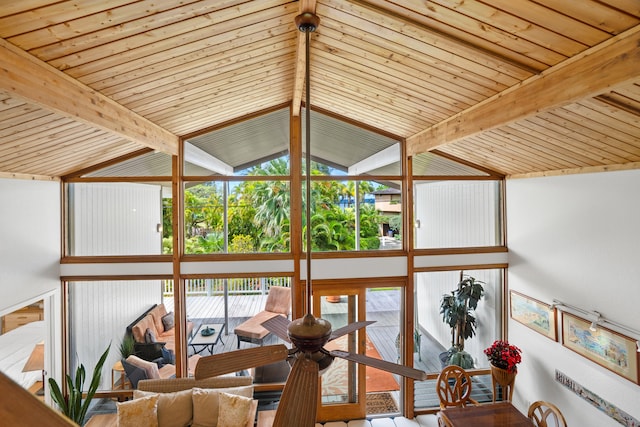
[382,307]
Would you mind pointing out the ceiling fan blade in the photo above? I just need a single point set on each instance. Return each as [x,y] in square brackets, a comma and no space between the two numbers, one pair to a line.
[278,325]
[233,361]
[394,368]
[298,404]
[351,327]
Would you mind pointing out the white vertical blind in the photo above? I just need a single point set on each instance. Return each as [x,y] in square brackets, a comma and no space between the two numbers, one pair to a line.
[115,219]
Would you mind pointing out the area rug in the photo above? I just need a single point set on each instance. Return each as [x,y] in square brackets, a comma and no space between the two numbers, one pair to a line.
[335,380]
[381,403]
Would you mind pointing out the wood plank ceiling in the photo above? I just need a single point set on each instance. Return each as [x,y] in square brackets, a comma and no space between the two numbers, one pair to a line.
[515,86]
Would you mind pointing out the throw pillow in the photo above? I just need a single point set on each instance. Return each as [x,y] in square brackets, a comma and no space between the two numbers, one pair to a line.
[149,336]
[168,357]
[150,368]
[138,412]
[235,411]
[174,409]
[206,403]
[168,321]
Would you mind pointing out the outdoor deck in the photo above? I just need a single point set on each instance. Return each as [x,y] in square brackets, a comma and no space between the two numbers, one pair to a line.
[382,307]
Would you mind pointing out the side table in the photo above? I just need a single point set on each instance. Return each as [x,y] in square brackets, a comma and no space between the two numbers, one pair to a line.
[122,382]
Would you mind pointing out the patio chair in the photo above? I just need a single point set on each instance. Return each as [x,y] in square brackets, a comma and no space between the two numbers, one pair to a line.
[454,387]
[278,304]
[137,369]
[546,414]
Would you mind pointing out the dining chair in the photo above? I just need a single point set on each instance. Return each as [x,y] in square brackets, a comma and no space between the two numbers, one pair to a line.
[442,422]
[454,387]
[546,414]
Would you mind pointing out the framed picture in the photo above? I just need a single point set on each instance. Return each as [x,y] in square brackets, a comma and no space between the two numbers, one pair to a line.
[534,314]
[605,347]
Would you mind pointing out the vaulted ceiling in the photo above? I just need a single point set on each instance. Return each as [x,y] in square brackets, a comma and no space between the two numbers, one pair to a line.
[519,87]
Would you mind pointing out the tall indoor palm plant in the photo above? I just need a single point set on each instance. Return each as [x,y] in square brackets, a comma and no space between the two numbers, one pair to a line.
[458,311]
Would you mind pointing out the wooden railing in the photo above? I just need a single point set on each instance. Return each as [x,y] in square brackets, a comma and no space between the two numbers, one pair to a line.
[235,286]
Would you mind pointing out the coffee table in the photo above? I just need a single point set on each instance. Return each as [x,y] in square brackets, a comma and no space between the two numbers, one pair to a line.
[200,342]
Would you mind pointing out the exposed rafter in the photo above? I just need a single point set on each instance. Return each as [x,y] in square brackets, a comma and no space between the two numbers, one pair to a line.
[380,159]
[29,78]
[590,73]
[196,156]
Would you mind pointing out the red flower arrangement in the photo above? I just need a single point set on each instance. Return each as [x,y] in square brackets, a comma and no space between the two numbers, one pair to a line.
[503,355]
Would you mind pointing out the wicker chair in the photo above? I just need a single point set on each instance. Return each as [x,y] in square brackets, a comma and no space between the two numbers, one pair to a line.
[454,387]
[546,414]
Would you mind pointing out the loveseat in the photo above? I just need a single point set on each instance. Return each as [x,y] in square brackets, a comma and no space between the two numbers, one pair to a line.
[185,401]
[154,331]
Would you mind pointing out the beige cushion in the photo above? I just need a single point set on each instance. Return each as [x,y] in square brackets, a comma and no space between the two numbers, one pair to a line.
[150,368]
[143,324]
[157,312]
[174,409]
[252,327]
[279,300]
[138,412]
[235,410]
[206,404]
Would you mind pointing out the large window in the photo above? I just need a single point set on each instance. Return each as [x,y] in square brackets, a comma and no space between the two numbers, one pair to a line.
[123,218]
[433,337]
[99,314]
[457,214]
[245,216]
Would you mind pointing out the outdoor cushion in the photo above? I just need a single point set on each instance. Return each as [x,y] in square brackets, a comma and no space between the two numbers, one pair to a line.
[149,336]
[157,313]
[150,368]
[141,327]
[168,321]
[252,328]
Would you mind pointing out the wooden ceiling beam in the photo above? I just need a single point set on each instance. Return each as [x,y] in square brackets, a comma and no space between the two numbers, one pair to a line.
[298,83]
[37,82]
[588,74]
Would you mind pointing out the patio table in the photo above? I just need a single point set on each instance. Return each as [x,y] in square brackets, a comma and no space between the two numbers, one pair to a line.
[206,342]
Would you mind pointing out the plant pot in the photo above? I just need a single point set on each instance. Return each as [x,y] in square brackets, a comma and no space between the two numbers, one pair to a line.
[505,379]
[333,298]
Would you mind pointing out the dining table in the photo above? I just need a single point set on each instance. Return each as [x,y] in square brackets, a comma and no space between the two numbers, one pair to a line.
[499,414]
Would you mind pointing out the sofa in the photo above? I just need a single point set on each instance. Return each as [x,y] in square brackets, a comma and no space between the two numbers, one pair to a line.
[210,402]
[154,334]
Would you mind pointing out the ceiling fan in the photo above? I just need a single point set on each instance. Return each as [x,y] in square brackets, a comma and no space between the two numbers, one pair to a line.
[308,335]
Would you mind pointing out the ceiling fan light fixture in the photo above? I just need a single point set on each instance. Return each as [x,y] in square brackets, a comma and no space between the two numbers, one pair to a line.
[307,22]
[309,334]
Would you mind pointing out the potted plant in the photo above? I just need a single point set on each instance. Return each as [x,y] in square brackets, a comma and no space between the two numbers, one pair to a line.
[458,311]
[503,355]
[127,346]
[503,358]
[71,404]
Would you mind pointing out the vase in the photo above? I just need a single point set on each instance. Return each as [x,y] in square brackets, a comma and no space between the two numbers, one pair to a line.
[505,380]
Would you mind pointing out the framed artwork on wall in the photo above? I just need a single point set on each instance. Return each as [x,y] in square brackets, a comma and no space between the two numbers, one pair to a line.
[603,346]
[534,314]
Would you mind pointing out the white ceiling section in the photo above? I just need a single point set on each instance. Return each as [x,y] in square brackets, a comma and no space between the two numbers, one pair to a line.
[512,87]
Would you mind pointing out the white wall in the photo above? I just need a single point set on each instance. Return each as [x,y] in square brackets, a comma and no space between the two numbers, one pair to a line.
[29,241]
[30,256]
[577,239]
